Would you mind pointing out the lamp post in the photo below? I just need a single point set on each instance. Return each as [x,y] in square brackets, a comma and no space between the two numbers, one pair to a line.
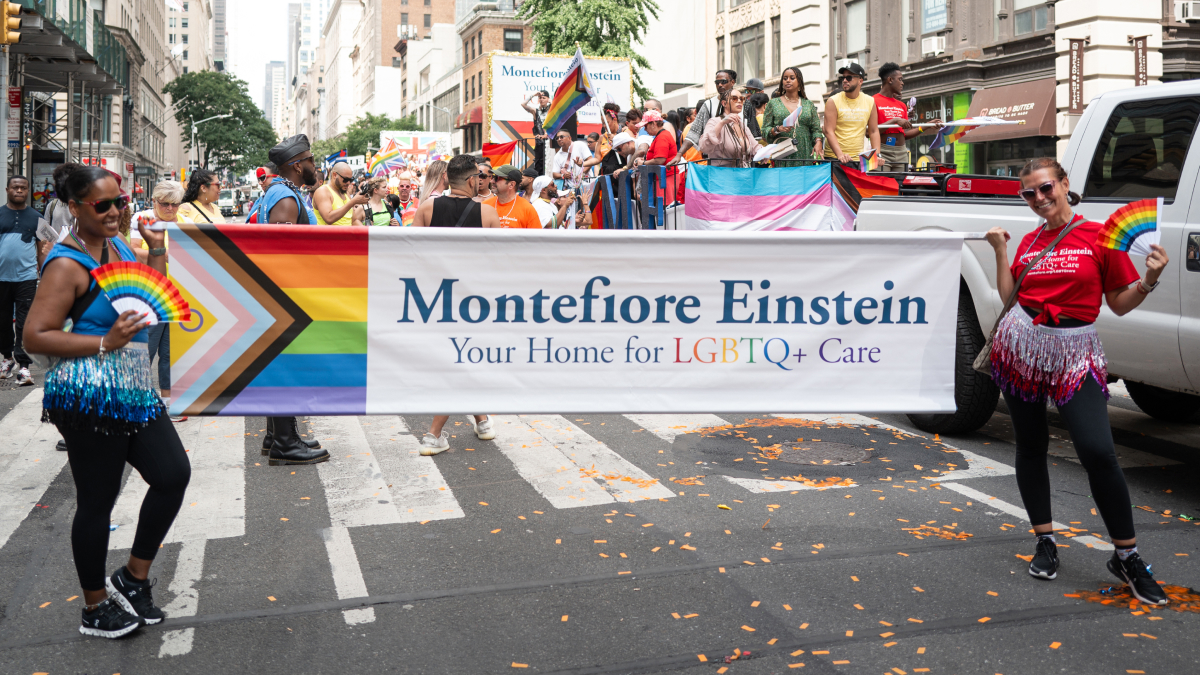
[196,124]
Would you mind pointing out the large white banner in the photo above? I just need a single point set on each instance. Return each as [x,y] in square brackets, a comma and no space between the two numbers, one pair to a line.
[506,321]
[513,78]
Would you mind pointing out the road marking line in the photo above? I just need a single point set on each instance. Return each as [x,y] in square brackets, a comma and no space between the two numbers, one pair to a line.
[991,502]
[537,460]
[1000,427]
[761,486]
[347,575]
[188,571]
[217,452]
[589,453]
[354,484]
[418,490]
[667,427]
[28,462]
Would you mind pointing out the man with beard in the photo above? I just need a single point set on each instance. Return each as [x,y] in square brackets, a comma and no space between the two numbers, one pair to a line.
[284,205]
[726,80]
[336,202]
[849,118]
[890,110]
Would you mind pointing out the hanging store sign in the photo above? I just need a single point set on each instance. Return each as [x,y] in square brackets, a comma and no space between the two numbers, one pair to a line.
[1140,69]
[1075,78]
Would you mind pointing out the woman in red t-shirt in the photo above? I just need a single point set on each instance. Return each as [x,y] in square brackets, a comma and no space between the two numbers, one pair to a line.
[1047,347]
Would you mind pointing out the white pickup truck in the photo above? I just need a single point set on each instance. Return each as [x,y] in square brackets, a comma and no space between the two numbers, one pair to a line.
[1128,145]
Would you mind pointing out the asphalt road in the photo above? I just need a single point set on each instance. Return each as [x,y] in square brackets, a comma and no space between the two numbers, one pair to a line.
[581,543]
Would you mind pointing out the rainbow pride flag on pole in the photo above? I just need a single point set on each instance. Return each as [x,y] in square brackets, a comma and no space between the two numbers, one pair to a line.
[386,159]
[574,93]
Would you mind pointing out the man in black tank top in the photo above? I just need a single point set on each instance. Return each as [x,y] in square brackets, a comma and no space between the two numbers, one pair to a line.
[458,209]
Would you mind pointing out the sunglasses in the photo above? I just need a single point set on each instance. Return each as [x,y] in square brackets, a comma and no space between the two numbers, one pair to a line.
[167,205]
[1029,194]
[848,77]
[735,97]
[104,205]
[485,175]
[721,83]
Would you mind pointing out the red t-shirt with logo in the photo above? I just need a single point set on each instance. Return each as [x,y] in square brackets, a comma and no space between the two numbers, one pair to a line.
[888,108]
[1071,279]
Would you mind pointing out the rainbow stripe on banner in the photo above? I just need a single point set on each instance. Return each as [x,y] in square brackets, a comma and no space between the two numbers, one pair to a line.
[948,135]
[574,93]
[386,160]
[788,198]
[279,320]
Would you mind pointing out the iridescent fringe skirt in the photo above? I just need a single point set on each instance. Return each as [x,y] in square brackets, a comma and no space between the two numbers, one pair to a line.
[1039,362]
[112,393]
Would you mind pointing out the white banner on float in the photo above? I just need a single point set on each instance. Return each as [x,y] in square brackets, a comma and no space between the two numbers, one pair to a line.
[513,78]
[507,321]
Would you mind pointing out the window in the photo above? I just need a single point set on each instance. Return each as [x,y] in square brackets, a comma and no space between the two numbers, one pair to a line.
[185,70]
[1029,16]
[1141,150]
[185,55]
[720,6]
[183,38]
[171,22]
[735,3]
[856,26]
[775,57]
[747,45]
[933,15]
[472,49]
[720,53]
[512,40]
[404,18]
[428,20]
[428,3]
[472,90]
[171,39]
[183,23]
[185,6]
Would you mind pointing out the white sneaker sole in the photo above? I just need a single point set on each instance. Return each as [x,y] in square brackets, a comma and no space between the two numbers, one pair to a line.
[485,436]
[114,594]
[429,452]
[110,634]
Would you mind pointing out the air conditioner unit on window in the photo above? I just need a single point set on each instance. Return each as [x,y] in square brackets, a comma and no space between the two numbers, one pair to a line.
[932,46]
[1188,11]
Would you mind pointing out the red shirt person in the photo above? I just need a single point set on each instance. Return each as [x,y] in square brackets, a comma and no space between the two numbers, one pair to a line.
[662,148]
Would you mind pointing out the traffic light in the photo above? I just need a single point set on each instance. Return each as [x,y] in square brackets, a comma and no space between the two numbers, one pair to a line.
[9,11]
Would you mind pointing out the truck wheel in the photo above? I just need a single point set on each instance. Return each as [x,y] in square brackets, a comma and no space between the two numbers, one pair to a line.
[1162,404]
[974,393]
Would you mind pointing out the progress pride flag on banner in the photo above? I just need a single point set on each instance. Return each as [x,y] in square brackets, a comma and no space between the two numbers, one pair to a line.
[791,198]
[357,320]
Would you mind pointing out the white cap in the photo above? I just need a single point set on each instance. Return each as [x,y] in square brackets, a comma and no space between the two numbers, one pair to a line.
[540,184]
[621,139]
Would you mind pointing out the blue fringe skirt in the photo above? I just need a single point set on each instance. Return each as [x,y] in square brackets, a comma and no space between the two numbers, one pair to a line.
[111,393]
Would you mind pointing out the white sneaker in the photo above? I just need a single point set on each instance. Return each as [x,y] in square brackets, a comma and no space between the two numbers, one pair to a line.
[484,430]
[24,379]
[435,445]
[6,368]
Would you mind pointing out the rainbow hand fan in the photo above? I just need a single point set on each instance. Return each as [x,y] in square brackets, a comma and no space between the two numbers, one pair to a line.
[1132,228]
[132,285]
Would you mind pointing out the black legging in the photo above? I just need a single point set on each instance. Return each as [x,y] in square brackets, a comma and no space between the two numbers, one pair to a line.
[97,463]
[1086,418]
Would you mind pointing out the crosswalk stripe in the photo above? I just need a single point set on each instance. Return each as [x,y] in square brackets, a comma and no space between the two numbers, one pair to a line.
[215,504]
[188,570]
[28,462]
[667,427]
[622,479]
[990,502]
[419,492]
[356,490]
[533,454]
[1000,427]
[347,575]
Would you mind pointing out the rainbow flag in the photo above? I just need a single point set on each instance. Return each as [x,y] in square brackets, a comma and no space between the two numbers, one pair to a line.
[1132,228]
[500,153]
[279,319]
[869,161]
[386,159]
[787,198]
[574,93]
[951,134]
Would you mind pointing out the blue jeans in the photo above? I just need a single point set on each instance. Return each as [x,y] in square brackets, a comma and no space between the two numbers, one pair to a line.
[160,345]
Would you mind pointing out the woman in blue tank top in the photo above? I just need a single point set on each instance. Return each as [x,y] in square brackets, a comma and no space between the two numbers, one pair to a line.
[101,396]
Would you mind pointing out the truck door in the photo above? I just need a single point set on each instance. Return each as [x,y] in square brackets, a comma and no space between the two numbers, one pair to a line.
[1144,150]
[1189,292]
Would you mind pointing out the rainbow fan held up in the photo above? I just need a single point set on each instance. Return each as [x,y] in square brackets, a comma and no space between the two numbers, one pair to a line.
[1133,227]
[138,287]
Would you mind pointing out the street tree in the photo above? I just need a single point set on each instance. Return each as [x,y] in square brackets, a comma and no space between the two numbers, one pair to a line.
[239,142]
[601,27]
[364,132]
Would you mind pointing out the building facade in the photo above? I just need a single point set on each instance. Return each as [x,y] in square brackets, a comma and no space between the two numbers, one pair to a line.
[340,53]
[483,28]
[275,92]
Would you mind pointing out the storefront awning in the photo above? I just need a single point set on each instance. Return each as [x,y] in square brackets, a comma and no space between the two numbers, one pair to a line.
[472,116]
[1031,102]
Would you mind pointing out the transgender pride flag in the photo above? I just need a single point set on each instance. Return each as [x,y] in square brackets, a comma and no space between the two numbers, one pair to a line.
[791,198]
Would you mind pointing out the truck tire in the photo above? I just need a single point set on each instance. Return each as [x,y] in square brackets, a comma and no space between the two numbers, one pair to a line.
[974,393]
[1163,404]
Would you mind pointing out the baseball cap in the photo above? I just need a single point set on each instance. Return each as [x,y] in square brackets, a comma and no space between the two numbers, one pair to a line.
[853,69]
[755,84]
[260,172]
[530,173]
[649,116]
[508,172]
[621,139]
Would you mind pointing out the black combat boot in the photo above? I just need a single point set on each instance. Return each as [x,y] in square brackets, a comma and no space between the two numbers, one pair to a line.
[288,448]
[269,439]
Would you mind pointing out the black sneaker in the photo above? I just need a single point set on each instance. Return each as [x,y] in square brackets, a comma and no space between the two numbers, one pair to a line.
[135,596]
[1135,572]
[109,620]
[1045,560]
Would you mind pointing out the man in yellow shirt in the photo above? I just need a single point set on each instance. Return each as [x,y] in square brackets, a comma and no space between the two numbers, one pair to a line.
[849,118]
[513,211]
[331,201]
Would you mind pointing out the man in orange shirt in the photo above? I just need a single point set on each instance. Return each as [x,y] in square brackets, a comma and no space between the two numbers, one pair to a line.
[513,212]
